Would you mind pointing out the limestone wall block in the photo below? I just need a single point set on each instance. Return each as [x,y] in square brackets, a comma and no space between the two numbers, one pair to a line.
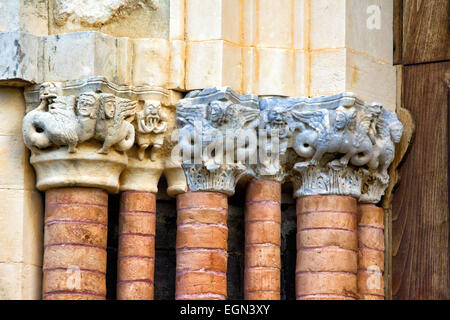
[276,71]
[21,53]
[177,14]
[18,281]
[24,15]
[213,63]
[21,218]
[177,70]
[369,28]
[151,62]
[213,20]
[275,23]
[372,80]
[328,23]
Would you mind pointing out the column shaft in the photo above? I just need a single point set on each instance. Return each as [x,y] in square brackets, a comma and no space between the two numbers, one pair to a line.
[136,257]
[371,252]
[75,239]
[262,240]
[326,248]
[201,247]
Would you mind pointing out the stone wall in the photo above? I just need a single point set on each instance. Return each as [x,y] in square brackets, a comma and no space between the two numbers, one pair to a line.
[159,50]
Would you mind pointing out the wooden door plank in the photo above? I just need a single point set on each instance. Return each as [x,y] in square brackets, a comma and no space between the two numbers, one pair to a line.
[420,226]
[425,31]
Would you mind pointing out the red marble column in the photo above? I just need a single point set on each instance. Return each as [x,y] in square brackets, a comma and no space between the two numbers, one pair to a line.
[262,240]
[326,248]
[75,239]
[371,252]
[201,248]
[136,256]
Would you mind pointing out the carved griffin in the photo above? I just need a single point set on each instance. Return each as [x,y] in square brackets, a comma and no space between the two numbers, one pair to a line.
[343,131]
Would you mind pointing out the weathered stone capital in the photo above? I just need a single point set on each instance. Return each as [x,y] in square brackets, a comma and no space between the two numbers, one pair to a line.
[343,146]
[217,138]
[336,145]
[87,132]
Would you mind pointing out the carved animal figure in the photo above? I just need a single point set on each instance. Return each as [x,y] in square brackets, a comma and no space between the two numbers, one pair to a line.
[151,123]
[389,132]
[53,122]
[347,134]
[112,127]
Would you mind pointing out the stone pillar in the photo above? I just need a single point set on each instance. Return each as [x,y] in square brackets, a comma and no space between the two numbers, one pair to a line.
[208,121]
[262,240]
[202,234]
[370,252]
[326,248]
[148,160]
[136,256]
[90,137]
[343,148]
[76,225]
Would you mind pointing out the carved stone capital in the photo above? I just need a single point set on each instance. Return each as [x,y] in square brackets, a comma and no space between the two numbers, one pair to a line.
[217,138]
[342,146]
[86,133]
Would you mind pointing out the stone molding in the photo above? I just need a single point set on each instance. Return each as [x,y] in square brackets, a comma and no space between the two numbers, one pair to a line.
[337,145]
[148,62]
[94,133]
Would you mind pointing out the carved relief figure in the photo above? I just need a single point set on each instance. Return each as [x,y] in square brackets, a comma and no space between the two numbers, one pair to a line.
[346,133]
[53,122]
[213,137]
[86,109]
[151,124]
[389,132]
[112,127]
[276,121]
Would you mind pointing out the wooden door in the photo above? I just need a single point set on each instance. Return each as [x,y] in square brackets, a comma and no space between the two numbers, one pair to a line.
[420,219]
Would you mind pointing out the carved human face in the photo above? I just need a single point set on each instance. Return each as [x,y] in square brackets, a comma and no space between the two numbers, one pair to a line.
[109,109]
[277,117]
[396,133]
[48,90]
[341,120]
[216,112]
[85,106]
[152,110]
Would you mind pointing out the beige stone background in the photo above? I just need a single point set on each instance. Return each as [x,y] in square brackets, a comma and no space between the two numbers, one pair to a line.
[264,47]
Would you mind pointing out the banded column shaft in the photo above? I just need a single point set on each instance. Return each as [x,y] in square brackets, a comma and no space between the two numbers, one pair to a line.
[136,257]
[75,239]
[371,252]
[326,248]
[262,240]
[201,247]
